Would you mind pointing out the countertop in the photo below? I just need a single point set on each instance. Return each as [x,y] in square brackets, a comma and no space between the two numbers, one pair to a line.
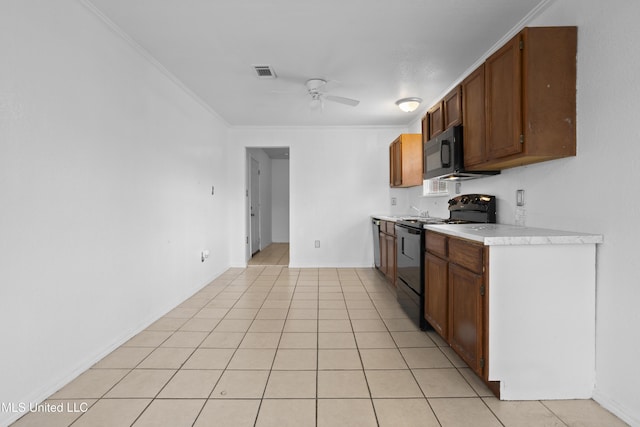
[393,218]
[396,218]
[502,234]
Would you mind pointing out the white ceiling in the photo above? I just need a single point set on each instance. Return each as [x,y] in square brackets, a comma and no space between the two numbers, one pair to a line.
[375,51]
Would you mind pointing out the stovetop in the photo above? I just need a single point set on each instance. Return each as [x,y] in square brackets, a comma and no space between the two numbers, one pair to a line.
[465,209]
[420,222]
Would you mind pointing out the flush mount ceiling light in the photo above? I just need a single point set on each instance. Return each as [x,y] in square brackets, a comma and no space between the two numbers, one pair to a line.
[408,105]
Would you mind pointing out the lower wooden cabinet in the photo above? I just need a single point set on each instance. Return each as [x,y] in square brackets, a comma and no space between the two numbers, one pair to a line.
[466,314]
[388,251]
[455,287]
[540,296]
[436,307]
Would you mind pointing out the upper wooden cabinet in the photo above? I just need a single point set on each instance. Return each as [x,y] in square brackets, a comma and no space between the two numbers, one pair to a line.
[473,129]
[452,106]
[436,120]
[405,161]
[444,114]
[529,101]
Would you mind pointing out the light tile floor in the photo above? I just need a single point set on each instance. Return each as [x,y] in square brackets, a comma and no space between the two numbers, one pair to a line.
[274,254]
[272,346]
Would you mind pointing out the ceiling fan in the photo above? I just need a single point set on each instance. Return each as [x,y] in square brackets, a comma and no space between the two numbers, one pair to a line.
[314,87]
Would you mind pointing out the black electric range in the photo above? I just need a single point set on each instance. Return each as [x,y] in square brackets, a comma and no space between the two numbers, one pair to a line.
[468,208]
[465,209]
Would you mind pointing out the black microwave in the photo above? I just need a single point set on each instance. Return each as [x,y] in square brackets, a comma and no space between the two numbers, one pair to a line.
[443,157]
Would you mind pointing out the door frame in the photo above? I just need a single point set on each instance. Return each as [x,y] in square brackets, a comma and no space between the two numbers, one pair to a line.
[249,156]
[253,207]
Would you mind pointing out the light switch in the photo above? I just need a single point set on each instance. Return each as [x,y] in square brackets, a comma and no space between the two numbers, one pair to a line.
[519,197]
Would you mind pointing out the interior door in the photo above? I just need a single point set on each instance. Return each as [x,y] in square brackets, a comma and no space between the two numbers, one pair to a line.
[254,206]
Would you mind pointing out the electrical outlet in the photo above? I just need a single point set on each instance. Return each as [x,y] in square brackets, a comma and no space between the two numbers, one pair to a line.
[394,201]
[317,243]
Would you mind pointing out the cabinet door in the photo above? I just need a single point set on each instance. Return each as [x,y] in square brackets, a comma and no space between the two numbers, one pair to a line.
[503,80]
[466,316]
[473,127]
[395,163]
[412,159]
[393,170]
[391,259]
[384,265]
[425,129]
[452,108]
[436,310]
[436,120]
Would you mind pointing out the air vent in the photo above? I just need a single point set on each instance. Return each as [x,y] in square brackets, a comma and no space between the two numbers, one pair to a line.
[264,72]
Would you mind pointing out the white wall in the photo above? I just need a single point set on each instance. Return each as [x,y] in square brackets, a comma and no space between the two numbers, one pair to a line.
[106,168]
[280,200]
[338,177]
[605,174]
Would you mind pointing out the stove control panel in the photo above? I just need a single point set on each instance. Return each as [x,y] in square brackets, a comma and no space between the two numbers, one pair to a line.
[473,208]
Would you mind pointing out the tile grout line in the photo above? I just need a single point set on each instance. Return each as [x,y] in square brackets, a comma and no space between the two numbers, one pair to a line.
[364,372]
[277,347]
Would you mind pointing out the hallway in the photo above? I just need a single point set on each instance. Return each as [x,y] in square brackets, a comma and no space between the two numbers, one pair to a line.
[274,254]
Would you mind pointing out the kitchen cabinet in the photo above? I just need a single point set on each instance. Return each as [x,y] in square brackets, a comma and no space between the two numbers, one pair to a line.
[446,113]
[425,129]
[466,316]
[388,251]
[466,302]
[452,107]
[405,161]
[454,295]
[508,292]
[473,128]
[529,101]
[436,120]
[436,304]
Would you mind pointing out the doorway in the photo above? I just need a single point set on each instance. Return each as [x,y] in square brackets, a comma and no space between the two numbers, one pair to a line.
[267,206]
[254,206]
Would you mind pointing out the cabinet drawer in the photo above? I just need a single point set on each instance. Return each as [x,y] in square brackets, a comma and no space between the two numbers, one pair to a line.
[466,254]
[436,243]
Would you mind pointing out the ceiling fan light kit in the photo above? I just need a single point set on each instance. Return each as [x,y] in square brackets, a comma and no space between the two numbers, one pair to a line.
[408,105]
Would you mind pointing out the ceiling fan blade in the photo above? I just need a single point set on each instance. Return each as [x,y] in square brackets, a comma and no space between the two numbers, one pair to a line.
[342,100]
